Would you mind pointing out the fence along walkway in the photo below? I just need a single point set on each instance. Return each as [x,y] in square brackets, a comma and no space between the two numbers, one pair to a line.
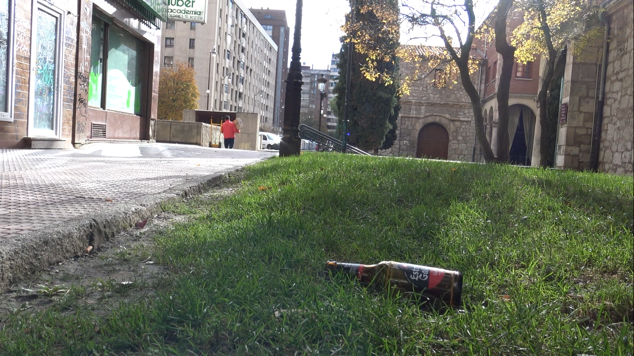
[327,142]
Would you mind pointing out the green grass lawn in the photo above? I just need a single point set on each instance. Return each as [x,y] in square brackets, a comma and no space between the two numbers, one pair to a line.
[547,259]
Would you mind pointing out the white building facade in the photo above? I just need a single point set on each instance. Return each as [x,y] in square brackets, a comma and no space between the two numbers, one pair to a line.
[234,59]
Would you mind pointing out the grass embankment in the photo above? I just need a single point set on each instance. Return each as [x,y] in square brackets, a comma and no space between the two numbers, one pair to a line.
[546,257]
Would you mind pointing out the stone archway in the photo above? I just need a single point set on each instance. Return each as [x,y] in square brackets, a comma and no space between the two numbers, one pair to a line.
[433,142]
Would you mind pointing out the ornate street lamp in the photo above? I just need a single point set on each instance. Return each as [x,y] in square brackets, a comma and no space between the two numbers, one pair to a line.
[291,142]
[322,93]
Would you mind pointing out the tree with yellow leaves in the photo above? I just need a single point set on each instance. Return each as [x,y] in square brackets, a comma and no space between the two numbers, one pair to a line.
[454,22]
[177,91]
[549,26]
[371,106]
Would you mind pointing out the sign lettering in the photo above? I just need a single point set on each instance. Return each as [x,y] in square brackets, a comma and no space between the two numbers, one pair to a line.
[187,10]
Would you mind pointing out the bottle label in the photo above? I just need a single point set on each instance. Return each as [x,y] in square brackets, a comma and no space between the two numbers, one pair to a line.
[422,278]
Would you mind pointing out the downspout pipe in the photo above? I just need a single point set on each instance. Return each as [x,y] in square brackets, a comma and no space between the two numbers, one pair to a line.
[598,108]
[483,64]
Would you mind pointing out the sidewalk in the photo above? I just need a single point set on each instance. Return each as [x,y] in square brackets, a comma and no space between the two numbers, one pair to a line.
[55,203]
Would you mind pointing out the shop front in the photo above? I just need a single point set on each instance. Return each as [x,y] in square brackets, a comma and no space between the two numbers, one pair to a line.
[119,79]
[71,71]
[37,51]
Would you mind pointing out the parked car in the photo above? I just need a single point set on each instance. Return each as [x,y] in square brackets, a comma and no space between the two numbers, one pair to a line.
[269,141]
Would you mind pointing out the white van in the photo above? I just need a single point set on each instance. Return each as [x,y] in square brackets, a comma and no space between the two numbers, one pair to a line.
[269,141]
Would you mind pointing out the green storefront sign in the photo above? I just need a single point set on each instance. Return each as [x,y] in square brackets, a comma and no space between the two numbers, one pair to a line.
[187,10]
[150,10]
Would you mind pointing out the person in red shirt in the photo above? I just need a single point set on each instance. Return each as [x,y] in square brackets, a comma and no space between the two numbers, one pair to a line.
[228,129]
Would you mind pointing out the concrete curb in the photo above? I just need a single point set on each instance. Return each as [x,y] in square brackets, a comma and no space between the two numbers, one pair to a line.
[29,253]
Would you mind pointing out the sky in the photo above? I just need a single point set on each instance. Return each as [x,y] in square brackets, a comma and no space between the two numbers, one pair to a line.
[321,27]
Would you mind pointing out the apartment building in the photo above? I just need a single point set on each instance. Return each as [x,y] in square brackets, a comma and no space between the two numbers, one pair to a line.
[331,119]
[234,58]
[311,96]
[274,23]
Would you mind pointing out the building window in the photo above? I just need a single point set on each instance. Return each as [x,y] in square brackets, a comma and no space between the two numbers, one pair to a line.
[6,59]
[190,62]
[229,54]
[169,42]
[192,43]
[267,16]
[494,71]
[268,29]
[117,70]
[170,25]
[192,26]
[226,88]
[224,105]
[168,61]
[523,70]
[440,78]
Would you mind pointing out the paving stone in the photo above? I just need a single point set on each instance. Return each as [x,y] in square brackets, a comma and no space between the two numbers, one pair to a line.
[42,188]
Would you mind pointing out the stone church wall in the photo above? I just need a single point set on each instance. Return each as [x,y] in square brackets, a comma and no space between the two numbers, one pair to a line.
[427,103]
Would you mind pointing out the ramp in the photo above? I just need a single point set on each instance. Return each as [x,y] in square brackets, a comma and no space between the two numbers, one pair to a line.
[327,142]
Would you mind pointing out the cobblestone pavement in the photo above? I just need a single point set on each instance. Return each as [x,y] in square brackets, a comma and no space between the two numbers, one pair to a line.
[42,188]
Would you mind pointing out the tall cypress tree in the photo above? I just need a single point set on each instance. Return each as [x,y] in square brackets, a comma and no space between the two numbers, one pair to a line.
[390,136]
[373,27]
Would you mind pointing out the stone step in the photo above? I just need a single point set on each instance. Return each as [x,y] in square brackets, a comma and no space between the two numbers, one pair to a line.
[46,143]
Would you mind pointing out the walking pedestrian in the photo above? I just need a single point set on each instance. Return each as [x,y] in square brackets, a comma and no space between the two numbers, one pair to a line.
[228,129]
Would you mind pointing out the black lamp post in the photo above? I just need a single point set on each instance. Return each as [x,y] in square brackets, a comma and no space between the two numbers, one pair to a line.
[291,142]
[322,93]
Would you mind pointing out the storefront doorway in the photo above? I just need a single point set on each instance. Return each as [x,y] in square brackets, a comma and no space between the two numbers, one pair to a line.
[46,72]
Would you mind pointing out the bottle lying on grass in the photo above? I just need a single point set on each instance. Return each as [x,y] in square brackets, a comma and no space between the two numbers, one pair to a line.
[430,282]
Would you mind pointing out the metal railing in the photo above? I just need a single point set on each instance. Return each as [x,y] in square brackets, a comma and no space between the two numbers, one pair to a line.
[327,142]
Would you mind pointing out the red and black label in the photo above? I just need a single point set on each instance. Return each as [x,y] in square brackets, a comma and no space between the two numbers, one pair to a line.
[420,277]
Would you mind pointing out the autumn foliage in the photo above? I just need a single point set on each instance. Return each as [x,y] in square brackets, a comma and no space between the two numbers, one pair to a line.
[177,91]
[548,27]
[372,28]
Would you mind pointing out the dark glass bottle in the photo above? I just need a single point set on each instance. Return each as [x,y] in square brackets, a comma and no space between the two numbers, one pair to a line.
[407,278]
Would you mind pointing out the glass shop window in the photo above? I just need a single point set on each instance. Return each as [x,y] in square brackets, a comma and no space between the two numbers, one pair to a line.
[116,72]
[6,59]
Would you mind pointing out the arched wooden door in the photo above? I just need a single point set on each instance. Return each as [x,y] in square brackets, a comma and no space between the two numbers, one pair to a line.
[433,142]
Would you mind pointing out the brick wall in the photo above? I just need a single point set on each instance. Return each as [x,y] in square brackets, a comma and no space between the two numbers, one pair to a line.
[69,39]
[12,133]
[81,127]
[616,138]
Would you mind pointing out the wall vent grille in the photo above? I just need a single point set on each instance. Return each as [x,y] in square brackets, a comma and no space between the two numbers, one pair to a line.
[98,130]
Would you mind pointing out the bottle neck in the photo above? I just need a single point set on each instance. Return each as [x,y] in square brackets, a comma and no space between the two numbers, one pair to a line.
[349,268]
[360,272]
